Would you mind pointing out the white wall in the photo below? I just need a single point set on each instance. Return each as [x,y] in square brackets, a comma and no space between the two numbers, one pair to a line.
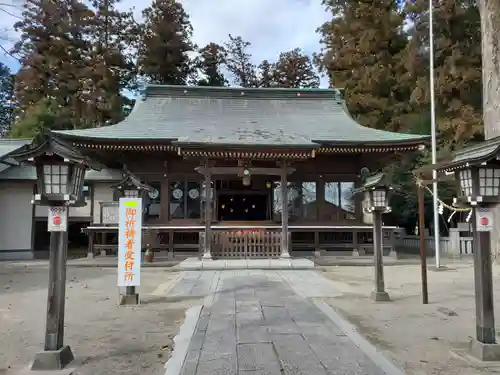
[16,219]
[102,193]
[43,211]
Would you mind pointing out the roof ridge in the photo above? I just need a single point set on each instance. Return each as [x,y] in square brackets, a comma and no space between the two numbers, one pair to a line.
[152,90]
[12,140]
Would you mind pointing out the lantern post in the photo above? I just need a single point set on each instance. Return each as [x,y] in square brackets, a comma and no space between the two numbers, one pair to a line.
[60,177]
[477,174]
[376,202]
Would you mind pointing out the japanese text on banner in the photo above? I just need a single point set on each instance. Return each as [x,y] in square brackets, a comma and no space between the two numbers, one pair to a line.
[129,242]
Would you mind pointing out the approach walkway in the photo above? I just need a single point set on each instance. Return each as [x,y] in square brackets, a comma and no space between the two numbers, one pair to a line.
[264,322]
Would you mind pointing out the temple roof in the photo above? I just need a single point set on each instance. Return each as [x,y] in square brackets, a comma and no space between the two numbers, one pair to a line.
[7,147]
[229,116]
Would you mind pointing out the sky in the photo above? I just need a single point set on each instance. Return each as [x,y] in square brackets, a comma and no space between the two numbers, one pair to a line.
[272,26]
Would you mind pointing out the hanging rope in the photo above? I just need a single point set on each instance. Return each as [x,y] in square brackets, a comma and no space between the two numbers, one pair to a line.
[453,209]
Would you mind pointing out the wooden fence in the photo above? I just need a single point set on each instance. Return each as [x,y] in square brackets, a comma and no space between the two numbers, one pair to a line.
[453,245]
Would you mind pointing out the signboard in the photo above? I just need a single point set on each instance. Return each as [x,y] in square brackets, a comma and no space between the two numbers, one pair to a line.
[57,219]
[463,227]
[129,241]
[484,220]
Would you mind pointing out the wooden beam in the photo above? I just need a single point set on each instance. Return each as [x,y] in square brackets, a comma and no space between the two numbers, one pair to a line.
[239,171]
[445,178]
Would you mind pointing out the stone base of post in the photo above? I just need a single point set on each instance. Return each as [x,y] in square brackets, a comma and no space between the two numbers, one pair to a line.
[317,253]
[355,253]
[206,256]
[103,253]
[90,255]
[130,297]
[392,254]
[484,352]
[380,296]
[284,254]
[52,359]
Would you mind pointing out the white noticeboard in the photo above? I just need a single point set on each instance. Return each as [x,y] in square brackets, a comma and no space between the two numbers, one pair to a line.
[129,241]
[57,219]
[484,220]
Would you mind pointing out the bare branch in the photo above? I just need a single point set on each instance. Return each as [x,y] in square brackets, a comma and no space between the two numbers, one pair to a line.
[9,13]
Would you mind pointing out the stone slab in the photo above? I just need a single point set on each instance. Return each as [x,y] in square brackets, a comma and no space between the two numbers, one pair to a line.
[380,296]
[484,352]
[243,264]
[280,263]
[256,323]
[68,370]
[259,264]
[53,359]
[255,357]
[129,299]
[182,342]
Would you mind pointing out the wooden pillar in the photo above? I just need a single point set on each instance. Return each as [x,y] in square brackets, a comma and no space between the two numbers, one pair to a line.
[421,233]
[320,198]
[207,254]
[165,201]
[355,243]
[90,251]
[483,284]
[317,247]
[284,213]
[339,192]
[358,202]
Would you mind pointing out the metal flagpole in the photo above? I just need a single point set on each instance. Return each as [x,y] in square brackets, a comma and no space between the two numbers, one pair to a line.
[433,137]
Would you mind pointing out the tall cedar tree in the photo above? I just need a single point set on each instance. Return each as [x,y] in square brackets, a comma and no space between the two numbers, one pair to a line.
[211,59]
[7,102]
[265,74]
[295,69]
[166,43]
[239,62]
[362,51]
[110,68]
[52,52]
[457,74]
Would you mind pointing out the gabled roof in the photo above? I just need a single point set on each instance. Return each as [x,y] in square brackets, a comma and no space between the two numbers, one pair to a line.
[7,147]
[372,181]
[229,116]
[472,155]
[130,179]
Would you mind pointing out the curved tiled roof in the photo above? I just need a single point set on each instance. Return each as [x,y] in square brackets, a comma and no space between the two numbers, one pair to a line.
[242,117]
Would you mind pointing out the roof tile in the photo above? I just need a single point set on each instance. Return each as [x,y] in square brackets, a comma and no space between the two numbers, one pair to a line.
[241,116]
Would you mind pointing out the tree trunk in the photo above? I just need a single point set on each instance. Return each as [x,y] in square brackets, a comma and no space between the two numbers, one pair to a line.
[490,34]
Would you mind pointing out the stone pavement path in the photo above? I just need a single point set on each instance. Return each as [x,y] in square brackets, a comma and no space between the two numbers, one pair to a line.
[255,323]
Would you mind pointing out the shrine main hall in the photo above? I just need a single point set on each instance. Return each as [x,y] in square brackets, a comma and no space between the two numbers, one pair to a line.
[225,172]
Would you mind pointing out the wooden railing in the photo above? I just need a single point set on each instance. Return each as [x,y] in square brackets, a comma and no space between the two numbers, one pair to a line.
[258,240]
[453,245]
[246,244]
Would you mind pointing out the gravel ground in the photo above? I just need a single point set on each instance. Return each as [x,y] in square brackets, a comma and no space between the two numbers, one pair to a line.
[419,338]
[105,338]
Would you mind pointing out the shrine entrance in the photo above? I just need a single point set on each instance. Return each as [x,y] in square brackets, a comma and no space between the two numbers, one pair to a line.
[242,207]
[242,203]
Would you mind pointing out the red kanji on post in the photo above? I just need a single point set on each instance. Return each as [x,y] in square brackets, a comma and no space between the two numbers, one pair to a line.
[56,220]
